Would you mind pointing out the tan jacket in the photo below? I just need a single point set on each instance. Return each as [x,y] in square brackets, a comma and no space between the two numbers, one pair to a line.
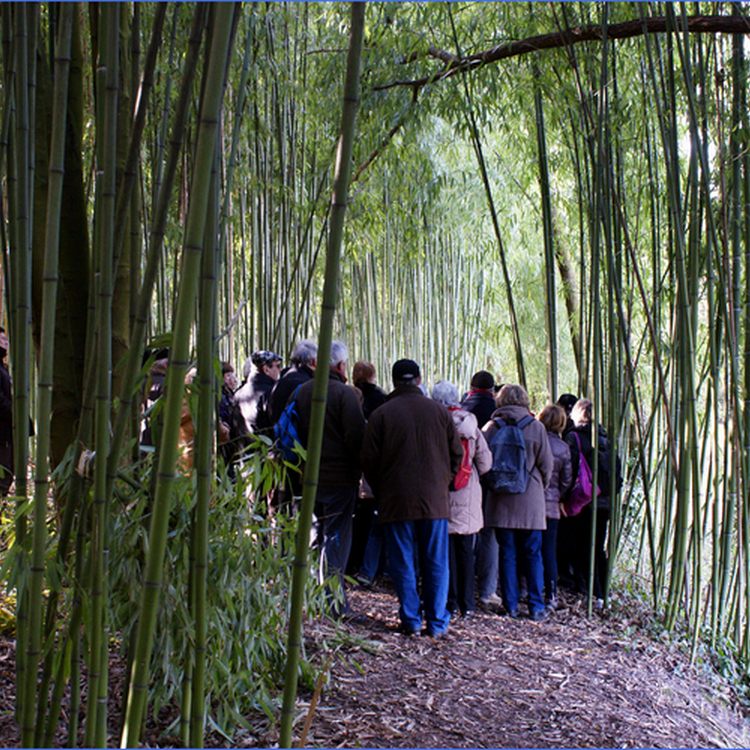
[466,504]
[527,509]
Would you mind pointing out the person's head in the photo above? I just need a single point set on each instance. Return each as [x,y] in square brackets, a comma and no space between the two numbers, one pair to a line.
[483,380]
[445,393]
[405,372]
[567,401]
[339,356]
[363,372]
[228,375]
[512,395]
[305,353]
[266,362]
[581,412]
[553,417]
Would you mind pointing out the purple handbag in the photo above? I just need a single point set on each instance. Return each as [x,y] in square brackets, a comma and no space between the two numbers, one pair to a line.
[581,493]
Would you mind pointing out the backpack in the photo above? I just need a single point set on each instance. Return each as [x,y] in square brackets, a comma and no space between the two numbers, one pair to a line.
[464,472]
[286,432]
[582,491]
[509,473]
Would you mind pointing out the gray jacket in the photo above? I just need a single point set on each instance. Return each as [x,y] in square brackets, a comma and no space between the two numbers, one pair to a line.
[562,475]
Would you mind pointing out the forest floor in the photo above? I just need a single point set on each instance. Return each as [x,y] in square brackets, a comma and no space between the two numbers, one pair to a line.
[612,681]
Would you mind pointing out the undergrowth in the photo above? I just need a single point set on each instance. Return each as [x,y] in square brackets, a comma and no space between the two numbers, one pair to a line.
[249,581]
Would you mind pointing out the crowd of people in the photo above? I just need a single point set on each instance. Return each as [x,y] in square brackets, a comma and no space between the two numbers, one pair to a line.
[422,469]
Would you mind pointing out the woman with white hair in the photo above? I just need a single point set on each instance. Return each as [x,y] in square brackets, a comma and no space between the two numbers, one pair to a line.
[466,518]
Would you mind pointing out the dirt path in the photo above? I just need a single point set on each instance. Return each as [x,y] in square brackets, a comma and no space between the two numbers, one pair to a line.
[494,682]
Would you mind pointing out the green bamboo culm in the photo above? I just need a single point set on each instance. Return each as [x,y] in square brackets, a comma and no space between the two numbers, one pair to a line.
[210,112]
[32,730]
[320,387]
[96,707]
[204,464]
[20,342]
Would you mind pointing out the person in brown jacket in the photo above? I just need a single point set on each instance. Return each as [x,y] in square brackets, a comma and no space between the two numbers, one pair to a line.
[410,454]
[519,519]
[338,478]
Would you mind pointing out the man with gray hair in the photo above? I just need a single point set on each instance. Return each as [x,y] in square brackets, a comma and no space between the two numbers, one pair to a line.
[338,478]
[304,359]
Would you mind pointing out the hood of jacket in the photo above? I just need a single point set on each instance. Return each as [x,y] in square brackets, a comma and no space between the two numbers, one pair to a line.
[466,423]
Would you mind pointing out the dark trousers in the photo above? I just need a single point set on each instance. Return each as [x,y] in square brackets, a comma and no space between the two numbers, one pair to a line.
[549,558]
[461,583]
[332,537]
[581,532]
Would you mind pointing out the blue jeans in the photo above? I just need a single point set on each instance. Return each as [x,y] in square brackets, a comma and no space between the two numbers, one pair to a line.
[373,550]
[485,562]
[332,529]
[549,558]
[429,538]
[527,545]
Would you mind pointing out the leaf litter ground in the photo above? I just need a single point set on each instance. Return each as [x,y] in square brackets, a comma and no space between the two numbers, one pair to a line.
[608,682]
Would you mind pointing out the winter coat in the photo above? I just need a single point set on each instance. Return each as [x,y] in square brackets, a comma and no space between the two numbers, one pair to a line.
[562,475]
[603,470]
[525,510]
[466,504]
[285,386]
[481,404]
[372,397]
[410,454]
[342,431]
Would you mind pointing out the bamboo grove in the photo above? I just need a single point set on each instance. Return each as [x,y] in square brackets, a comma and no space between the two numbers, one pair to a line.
[556,192]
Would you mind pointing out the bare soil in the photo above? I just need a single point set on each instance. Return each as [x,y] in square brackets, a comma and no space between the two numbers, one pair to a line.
[611,681]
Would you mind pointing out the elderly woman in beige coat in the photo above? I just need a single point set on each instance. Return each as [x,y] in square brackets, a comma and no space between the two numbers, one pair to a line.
[466,518]
[519,519]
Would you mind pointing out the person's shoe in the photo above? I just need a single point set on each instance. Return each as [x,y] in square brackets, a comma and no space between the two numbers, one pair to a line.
[364,581]
[491,602]
[467,616]
[540,615]
[598,603]
[435,636]
[552,604]
[512,613]
[353,618]
[408,631]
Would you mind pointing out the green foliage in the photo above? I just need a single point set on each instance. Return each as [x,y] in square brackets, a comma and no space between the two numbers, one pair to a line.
[249,579]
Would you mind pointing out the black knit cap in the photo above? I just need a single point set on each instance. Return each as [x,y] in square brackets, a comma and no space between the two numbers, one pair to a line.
[483,380]
[405,369]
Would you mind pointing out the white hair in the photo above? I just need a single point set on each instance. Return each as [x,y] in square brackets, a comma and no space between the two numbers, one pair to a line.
[305,353]
[339,353]
[445,393]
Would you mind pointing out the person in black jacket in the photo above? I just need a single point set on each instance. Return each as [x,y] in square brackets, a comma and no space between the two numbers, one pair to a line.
[579,527]
[304,359]
[6,420]
[339,470]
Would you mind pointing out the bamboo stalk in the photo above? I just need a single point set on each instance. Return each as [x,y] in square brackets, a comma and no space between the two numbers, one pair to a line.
[179,360]
[320,389]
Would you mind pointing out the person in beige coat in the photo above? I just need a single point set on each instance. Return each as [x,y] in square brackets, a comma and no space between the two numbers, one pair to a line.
[466,518]
[520,519]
